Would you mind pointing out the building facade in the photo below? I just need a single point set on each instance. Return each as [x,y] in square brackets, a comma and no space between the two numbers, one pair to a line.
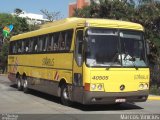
[77,5]
[32,18]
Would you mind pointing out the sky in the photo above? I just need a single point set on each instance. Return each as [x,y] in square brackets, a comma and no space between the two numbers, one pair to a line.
[34,6]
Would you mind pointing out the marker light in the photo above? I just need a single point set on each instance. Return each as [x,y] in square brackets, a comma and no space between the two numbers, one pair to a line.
[100,87]
[93,86]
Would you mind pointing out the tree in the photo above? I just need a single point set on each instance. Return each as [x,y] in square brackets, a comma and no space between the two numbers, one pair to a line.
[18,11]
[4,56]
[107,9]
[20,26]
[51,16]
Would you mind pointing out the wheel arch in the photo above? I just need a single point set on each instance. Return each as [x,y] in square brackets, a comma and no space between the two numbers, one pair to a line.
[18,75]
[61,82]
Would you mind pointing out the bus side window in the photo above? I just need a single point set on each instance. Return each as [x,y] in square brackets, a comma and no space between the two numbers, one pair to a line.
[39,44]
[19,46]
[50,42]
[35,44]
[68,39]
[31,45]
[45,42]
[12,47]
[79,46]
[42,43]
[26,45]
[23,47]
[62,41]
[56,43]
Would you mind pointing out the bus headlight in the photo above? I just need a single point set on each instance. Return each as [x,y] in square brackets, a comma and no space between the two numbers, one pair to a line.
[93,86]
[145,86]
[141,86]
[100,87]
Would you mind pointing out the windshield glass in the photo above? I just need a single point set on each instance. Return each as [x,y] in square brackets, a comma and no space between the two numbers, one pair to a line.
[112,47]
[102,47]
[132,48]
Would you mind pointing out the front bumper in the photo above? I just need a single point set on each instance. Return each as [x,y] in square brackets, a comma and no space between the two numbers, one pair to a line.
[110,98]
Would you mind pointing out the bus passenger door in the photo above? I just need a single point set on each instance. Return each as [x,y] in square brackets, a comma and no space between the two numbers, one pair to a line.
[77,67]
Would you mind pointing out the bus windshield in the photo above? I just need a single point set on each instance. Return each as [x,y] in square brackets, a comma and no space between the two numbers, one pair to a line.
[112,47]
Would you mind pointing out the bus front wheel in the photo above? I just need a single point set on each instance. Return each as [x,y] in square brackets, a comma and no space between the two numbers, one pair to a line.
[65,96]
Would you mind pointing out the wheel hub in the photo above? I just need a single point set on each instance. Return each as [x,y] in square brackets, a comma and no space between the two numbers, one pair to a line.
[19,83]
[65,94]
[25,83]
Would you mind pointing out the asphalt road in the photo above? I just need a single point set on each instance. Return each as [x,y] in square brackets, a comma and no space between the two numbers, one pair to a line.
[13,101]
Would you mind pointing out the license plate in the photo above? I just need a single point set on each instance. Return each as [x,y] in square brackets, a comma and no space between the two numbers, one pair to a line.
[120,100]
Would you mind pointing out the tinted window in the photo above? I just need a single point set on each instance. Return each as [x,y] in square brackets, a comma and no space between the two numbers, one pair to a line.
[54,42]
[68,38]
[50,42]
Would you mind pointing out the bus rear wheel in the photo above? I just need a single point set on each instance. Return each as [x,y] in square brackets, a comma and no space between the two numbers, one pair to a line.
[65,96]
[19,83]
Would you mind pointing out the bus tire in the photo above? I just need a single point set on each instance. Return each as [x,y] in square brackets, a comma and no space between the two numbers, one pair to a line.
[19,83]
[25,85]
[64,96]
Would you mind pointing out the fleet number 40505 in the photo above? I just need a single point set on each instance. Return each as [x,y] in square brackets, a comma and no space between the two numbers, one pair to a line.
[100,78]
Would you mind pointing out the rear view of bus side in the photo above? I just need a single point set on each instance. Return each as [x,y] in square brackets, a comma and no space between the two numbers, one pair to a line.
[90,61]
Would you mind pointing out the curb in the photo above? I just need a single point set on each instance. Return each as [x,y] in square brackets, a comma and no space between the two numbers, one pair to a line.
[154,98]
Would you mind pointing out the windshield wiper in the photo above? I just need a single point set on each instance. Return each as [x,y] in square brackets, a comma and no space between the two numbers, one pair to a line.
[112,61]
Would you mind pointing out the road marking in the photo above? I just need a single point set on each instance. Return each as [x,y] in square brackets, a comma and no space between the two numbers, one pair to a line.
[153,97]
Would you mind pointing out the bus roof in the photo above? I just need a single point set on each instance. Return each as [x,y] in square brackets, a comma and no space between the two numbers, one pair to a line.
[71,23]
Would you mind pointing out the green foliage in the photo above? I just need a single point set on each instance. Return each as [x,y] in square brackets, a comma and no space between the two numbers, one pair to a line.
[4,57]
[6,19]
[20,26]
[4,52]
[107,9]
[18,11]
[154,89]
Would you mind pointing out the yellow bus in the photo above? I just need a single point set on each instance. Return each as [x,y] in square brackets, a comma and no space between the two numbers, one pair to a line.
[89,61]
